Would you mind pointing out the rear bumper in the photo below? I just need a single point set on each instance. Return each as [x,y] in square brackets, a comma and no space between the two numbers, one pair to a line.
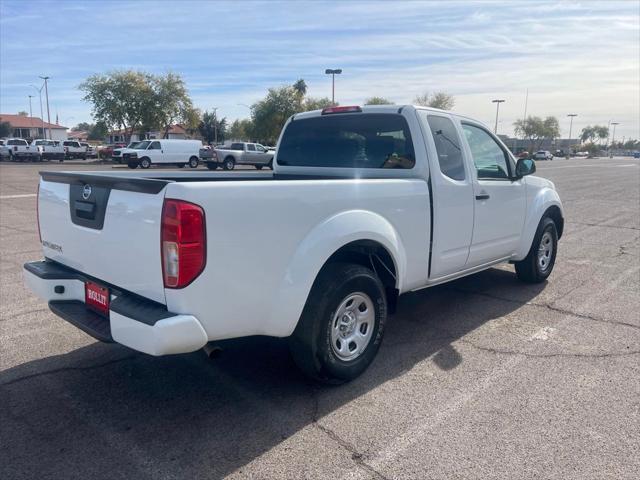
[133,321]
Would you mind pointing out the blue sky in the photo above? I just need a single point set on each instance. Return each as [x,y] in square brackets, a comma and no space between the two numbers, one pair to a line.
[573,57]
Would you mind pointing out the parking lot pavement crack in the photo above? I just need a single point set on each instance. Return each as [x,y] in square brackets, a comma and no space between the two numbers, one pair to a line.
[603,225]
[65,369]
[498,351]
[356,456]
[551,307]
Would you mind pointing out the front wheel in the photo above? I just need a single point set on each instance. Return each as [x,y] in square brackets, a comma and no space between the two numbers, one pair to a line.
[259,167]
[145,163]
[539,262]
[132,165]
[212,165]
[193,162]
[342,324]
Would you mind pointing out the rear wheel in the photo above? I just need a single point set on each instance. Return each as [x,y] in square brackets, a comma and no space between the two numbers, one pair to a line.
[259,167]
[130,165]
[181,165]
[342,324]
[193,162]
[212,165]
[229,163]
[145,163]
[539,262]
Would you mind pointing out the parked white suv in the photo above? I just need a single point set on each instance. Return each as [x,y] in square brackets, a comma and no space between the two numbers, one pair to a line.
[365,204]
[543,155]
[177,152]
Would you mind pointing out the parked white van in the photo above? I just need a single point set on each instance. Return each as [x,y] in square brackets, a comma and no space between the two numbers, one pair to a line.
[178,152]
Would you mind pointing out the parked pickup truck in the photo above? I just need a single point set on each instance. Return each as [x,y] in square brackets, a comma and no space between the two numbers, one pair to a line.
[49,149]
[117,152]
[364,205]
[20,150]
[239,153]
[74,149]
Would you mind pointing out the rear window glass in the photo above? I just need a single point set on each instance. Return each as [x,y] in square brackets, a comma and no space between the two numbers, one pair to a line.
[348,141]
[17,142]
[237,146]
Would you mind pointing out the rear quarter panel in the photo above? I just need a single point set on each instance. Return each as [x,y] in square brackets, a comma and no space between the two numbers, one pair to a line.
[267,240]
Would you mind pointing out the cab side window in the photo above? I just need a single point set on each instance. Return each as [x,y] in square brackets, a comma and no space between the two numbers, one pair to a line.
[251,147]
[447,143]
[154,146]
[490,160]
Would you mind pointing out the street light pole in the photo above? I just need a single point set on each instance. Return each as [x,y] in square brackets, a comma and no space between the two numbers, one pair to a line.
[613,137]
[571,115]
[30,110]
[497,102]
[39,90]
[215,126]
[46,91]
[333,72]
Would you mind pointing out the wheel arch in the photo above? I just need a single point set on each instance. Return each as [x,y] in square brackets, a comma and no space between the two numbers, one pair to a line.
[356,236]
[546,202]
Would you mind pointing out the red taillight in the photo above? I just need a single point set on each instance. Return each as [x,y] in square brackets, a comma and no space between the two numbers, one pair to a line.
[183,243]
[38,211]
[350,109]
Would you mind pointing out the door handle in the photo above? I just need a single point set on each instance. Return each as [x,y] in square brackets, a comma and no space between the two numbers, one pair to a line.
[482,196]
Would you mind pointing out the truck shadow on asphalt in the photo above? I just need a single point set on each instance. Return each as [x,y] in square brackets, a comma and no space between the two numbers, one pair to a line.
[105,411]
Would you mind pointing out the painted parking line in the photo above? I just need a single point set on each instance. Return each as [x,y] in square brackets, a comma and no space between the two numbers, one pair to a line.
[24,195]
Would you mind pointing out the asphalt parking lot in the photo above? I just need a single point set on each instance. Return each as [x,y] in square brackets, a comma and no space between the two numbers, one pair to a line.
[485,377]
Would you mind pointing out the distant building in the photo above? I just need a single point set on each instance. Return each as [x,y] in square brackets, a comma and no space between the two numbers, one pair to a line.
[79,135]
[176,132]
[31,127]
[517,145]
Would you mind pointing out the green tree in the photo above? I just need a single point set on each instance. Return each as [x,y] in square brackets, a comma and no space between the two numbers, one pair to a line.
[240,130]
[82,127]
[441,100]
[269,115]
[171,101]
[211,128]
[317,103]
[22,113]
[594,134]
[5,129]
[98,131]
[537,130]
[378,101]
[121,99]
[300,87]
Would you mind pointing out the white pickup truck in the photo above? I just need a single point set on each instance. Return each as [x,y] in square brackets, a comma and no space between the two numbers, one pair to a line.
[238,153]
[49,149]
[364,205]
[20,150]
[74,149]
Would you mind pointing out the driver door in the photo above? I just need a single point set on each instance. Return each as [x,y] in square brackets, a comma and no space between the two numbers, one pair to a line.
[500,201]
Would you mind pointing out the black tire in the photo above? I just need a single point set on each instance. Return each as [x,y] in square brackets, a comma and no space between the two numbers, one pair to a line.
[145,163]
[212,165]
[529,269]
[229,163]
[193,162]
[270,165]
[181,165]
[132,165]
[61,160]
[259,167]
[311,343]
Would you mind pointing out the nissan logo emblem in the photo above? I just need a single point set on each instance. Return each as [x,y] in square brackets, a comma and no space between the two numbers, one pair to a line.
[86,192]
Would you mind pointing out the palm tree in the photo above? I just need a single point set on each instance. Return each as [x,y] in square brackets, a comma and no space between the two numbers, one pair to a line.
[300,87]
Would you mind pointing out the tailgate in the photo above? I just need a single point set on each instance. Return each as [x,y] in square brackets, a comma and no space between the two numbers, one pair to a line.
[105,226]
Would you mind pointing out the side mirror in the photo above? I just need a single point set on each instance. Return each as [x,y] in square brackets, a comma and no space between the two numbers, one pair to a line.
[525,166]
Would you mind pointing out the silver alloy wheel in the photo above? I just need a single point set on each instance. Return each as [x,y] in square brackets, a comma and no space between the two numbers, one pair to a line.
[229,164]
[352,326]
[545,251]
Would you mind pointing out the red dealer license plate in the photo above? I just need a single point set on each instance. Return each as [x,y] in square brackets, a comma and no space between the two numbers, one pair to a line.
[97,298]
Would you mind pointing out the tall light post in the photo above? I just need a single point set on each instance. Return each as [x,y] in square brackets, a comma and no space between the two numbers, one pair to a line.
[571,115]
[30,110]
[46,92]
[497,102]
[333,72]
[613,136]
[215,126]
[39,90]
